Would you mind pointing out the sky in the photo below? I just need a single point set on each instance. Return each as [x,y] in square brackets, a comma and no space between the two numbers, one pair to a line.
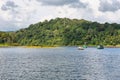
[17,14]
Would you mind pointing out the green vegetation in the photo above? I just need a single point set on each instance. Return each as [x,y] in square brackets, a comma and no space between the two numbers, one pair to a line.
[64,32]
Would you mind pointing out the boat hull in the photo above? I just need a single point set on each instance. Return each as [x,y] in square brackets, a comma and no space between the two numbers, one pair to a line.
[100,47]
[80,48]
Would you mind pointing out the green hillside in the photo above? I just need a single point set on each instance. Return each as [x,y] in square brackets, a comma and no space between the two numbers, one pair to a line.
[64,32]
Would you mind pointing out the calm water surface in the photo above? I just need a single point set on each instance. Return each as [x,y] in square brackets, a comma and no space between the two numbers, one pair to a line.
[63,63]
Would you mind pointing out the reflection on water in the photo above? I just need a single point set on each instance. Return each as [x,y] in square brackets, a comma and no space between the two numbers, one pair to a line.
[64,63]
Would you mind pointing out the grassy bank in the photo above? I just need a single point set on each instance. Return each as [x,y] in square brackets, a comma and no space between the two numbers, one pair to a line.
[5,45]
[26,46]
[111,46]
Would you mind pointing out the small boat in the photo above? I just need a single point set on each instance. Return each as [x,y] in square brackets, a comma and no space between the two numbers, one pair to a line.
[80,48]
[84,46]
[100,47]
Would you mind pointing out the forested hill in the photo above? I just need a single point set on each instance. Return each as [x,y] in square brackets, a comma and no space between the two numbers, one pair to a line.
[64,32]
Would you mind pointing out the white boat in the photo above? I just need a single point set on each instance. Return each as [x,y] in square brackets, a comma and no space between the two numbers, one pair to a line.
[80,48]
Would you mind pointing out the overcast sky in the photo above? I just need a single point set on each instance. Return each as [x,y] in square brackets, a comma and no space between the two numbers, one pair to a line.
[16,14]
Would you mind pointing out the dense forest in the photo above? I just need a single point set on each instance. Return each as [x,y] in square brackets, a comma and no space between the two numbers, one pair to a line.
[64,32]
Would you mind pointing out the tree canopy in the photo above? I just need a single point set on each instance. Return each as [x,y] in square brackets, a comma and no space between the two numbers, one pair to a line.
[64,32]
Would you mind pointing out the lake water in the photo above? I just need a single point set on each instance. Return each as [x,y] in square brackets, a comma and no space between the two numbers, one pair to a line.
[62,63]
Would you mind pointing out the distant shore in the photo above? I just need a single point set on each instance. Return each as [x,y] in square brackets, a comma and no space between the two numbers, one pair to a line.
[38,46]
[6,46]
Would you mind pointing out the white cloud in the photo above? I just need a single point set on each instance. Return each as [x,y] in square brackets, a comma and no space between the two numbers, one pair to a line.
[71,3]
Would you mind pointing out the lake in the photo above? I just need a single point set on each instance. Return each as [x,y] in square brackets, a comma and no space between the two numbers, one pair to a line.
[61,63]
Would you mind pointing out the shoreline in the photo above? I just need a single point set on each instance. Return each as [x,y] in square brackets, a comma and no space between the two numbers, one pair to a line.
[10,46]
[7,46]
[37,46]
